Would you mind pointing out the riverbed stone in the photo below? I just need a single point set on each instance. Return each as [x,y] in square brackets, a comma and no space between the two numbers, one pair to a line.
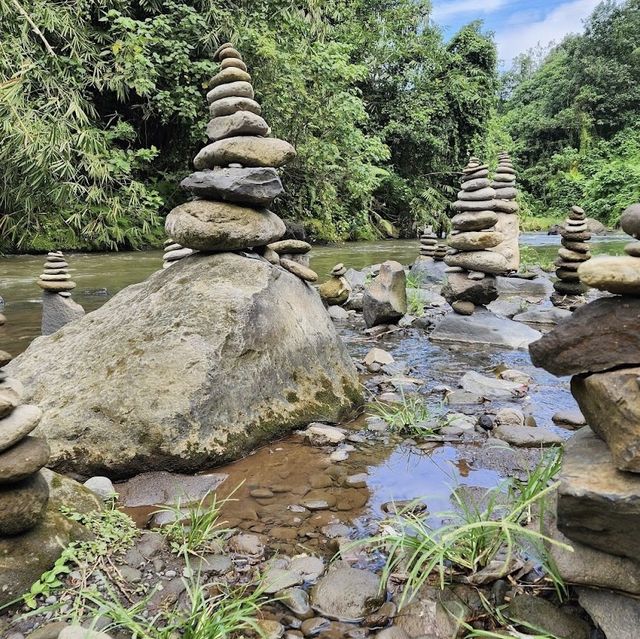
[219,226]
[617,616]
[613,273]
[573,347]
[491,387]
[237,123]
[22,504]
[135,410]
[23,459]
[543,316]
[458,286]
[598,505]
[531,290]
[255,186]
[484,327]
[385,299]
[527,436]
[347,594]
[610,403]
[18,424]
[540,614]
[247,150]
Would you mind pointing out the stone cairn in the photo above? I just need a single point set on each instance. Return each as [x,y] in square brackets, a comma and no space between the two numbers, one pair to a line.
[569,290]
[470,278]
[58,308]
[428,243]
[24,492]
[506,209]
[174,252]
[598,507]
[237,178]
[441,250]
[336,290]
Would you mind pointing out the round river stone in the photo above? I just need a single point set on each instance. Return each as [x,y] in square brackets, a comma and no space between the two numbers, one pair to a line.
[24,459]
[17,425]
[22,504]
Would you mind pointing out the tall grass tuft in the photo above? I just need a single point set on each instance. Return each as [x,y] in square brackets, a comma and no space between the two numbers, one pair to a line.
[409,416]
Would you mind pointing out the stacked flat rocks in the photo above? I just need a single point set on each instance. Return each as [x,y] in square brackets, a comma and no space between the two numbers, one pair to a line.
[237,173]
[441,250]
[506,209]
[174,252]
[470,242]
[58,308]
[599,494]
[24,492]
[428,243]
[55,277]
[573,252]
[292,255]
[336,290]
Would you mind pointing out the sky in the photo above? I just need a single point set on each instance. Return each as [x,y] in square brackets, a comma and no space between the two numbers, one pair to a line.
[518,24]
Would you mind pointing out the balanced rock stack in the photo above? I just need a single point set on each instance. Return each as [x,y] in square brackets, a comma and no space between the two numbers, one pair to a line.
[336,290]
[174,252]
[470,279]
[573,252]
[24,492]
[506,209]
[237,177]
[58,308]
[441,250]
[598,506]
[428,243]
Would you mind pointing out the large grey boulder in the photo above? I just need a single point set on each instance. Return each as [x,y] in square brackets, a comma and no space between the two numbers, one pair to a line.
[385,298]
[428,271]
[484,327]
[58,311]
[192,367]
[459,287]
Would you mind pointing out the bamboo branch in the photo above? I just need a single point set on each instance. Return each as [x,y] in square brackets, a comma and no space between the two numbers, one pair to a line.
[34,26]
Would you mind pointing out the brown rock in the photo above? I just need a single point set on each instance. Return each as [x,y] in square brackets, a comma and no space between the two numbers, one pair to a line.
[23,459]
[228,106]
[240,89]
[230,74]
[22,504]
[246,150]
[238,123]
[299,270]
[385,299]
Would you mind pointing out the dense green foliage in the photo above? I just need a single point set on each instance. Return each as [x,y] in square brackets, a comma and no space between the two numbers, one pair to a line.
[574,117]
[102,108]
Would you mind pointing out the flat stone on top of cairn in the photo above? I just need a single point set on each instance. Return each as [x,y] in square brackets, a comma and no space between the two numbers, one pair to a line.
[24,492]
[237,177]
[174,252]
[569,289]
[469,249]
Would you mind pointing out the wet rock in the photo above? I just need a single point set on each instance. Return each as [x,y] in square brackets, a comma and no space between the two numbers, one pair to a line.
[509,417]
[314,626]
[208,311]
[321,434]
[385,299]
[574,348]
[297,601]
[376,424]
[101,486]
[543,316]
[483,327]
[616,615]
[271,629]
[610,403]
[277,579]
[491,387]
[338,313]
[526,436]
[245,544]
[216,564]
[540,614]
[347,594]
[463,308]
[572,419]
[378,356]
[433,613]
[597,503]
[308,567]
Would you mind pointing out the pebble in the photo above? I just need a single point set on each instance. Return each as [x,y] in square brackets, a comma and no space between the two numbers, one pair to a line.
[246,545]
[78,632]
[297,600]
[277,579]
[314,626]
[321,434]
[101,486]
[271,629]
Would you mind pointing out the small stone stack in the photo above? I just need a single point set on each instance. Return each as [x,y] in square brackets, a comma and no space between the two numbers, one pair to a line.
[58,308]
[441,250]
[174,252]
[428,243]
[337,289]
[237,175]
[573,252]
[598,507]
[471,279]
[506,209]
[55,278]
[24,492]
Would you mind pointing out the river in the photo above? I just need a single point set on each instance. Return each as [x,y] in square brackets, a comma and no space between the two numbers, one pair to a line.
[100,275]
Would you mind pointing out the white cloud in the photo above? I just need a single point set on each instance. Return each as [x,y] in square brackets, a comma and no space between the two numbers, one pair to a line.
[444,10]
[520,34]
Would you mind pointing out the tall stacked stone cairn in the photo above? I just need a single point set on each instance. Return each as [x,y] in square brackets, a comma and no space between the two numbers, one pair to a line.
[470,278]
[598,506]
[58,308]
[569,290]
[428,243]
[506,209]
[237,178]
[174,252]
[24,492]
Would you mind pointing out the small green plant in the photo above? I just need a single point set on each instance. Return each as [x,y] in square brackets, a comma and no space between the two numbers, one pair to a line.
[192,530]
[113,532]
[408,416]
[471,536]
[413,281]
[415,305]
[212,611]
